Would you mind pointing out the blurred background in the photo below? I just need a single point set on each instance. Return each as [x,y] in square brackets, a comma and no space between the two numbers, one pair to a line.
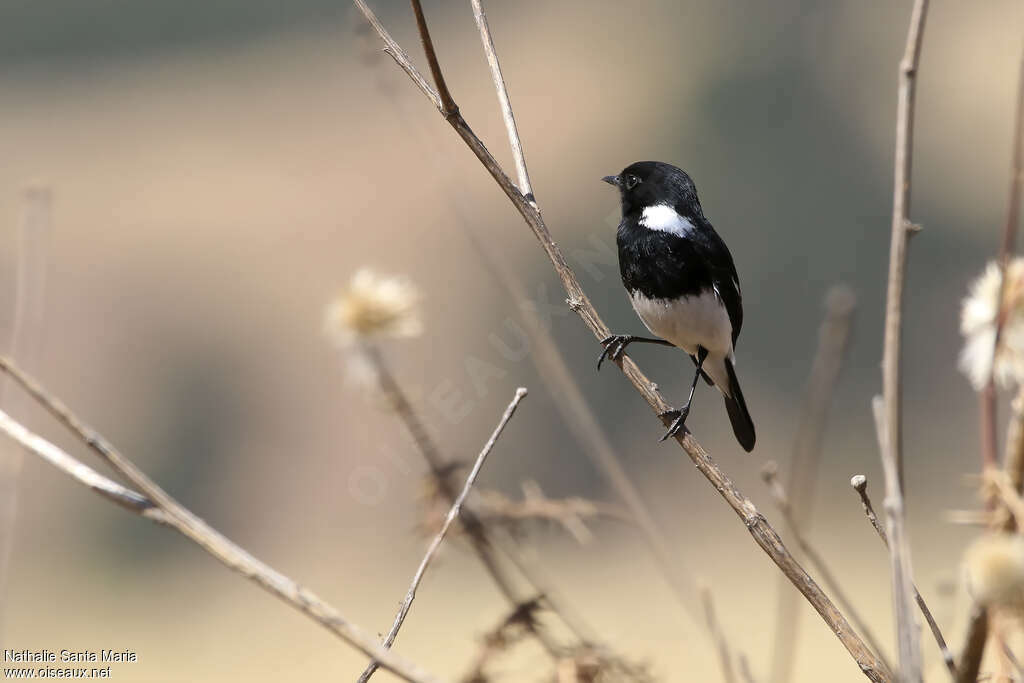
[220,169]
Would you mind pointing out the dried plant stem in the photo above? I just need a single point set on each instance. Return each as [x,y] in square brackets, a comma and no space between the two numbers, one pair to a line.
[770,475]
[721,642]
[456,508]
[833,340]
[174,515]
[506,105]
[974,645]
[901,228]
[762,532]
[860,485]
[1013,461]
[471,524]
[888,414]
[907,636]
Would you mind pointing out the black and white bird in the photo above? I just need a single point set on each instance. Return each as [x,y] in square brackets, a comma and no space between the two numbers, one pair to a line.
[682,283]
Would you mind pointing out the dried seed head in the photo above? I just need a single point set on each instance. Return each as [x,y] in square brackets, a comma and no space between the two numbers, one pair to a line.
[979,319]
[374,306]
[994,566]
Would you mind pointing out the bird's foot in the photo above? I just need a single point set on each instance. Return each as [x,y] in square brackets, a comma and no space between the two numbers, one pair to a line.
[614,346]
[678,418]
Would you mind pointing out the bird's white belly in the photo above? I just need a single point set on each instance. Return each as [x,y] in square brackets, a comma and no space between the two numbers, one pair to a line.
[688,322]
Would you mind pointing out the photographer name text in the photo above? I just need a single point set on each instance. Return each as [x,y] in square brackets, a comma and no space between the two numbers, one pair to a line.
[50,656]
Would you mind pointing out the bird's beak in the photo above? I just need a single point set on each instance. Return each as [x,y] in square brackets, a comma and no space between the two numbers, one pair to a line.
[611,180]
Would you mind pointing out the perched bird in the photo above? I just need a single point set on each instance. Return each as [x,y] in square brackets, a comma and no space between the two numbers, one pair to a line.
[682,283]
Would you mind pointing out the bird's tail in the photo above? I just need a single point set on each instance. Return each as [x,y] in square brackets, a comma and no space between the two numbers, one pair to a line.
[742,425]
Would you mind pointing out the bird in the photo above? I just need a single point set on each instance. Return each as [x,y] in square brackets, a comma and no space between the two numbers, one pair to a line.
[682,283]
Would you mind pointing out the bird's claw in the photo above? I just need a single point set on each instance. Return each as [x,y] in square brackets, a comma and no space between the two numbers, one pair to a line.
[678,418]
[614,346]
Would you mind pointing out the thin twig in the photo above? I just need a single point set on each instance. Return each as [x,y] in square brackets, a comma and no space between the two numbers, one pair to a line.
[762,532]
[448,106]
[833,340]
[907,635]
[410,595]
[860,484]
[721,642]
[494,507]
[888,416]
[473,526]
[769,472]
[503,100]
[901,228]
[997,481]
[193,528]
[78,470]
[1013,460]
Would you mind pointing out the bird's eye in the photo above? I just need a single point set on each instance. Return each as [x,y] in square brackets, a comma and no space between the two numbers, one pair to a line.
[631,181]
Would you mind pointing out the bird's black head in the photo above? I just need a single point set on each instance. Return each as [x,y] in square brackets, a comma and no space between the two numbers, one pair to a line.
[649,183]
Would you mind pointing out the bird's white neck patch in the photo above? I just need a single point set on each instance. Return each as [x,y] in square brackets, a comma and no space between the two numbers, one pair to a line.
[664,218]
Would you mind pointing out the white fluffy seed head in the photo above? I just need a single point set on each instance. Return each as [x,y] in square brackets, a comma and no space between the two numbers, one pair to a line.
[978,320]
[374,305]
[994,571]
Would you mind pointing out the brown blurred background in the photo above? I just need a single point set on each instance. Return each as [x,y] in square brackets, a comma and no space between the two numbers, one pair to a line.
[219,169]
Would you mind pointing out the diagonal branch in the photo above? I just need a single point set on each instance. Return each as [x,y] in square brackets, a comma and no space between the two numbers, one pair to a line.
[762,532]
[456,508]
[78,470]
[173,514]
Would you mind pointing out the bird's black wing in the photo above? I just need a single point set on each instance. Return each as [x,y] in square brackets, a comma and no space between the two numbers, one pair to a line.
[723,273]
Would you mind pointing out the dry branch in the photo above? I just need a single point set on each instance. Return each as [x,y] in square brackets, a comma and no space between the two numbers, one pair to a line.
[456,508]
[860,484]
[888,415]
[439,470]
[762,532]
[494,507]
[525,188]
[174,515]
[907,635]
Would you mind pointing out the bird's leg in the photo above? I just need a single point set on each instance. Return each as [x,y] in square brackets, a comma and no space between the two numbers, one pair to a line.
[615,345]
[679,416]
